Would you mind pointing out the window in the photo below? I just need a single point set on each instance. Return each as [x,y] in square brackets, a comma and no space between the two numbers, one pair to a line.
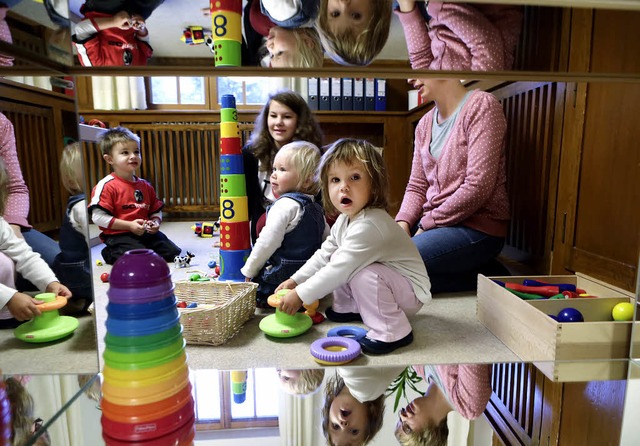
[178,90]
[249,90]
[221,405]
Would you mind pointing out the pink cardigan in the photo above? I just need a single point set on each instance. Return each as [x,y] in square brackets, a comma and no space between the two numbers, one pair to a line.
[17,207]
[462,36]
[467,184]
[467,386]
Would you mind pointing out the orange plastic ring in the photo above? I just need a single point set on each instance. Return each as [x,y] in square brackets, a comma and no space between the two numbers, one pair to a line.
[60,302]
[274,299]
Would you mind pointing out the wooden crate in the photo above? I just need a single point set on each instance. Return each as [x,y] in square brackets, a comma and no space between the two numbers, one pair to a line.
[525,327]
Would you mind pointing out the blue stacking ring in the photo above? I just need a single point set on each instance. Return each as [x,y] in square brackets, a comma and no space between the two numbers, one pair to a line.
[142,327]
[348,331]
[141,311]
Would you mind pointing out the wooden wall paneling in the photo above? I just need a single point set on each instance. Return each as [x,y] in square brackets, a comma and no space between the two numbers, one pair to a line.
[551,409]
[540,46]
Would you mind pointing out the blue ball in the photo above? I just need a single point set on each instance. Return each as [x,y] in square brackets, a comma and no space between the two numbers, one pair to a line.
[570,315]
[212,264]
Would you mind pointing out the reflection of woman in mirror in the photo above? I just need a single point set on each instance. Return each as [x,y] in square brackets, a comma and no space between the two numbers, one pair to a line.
[353,32]
[284,118]
[453,390]
[291,41]
[5,33]
[461,36]
[114,32]
[354,404]
[300,381]
[455,204]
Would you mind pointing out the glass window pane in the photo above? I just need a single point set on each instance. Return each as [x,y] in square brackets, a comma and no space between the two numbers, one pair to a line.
[207,394]
[230,85]
[191,90]
[164,90]
[267,395]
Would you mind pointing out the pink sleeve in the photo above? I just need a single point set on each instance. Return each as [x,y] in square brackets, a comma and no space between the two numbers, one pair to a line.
[508,21]
[417,37]
[17,206]
[415,194]
[472,32]
[468,387]
[483,127]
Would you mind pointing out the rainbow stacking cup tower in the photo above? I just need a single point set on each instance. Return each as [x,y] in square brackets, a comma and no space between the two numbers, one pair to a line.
[146,393]
[235,239]
[226,23]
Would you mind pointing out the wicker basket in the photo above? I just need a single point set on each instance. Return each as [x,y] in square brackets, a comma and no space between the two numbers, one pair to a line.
[223,307]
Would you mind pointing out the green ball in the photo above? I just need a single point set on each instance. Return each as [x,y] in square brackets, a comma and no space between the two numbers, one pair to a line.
[194,277]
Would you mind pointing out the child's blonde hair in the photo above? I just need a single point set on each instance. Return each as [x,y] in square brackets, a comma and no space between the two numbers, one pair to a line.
[4,186]
[22,409]
[308,382]
[305,157]
[309,52]
[350,151]
[116,135]
[432,435]
[375,410]
[71,173]
[349,48]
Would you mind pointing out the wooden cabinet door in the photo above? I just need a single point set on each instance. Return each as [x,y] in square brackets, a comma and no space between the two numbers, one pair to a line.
[598,212]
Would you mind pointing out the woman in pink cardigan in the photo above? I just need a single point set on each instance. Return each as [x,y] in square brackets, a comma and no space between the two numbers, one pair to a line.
[458,390]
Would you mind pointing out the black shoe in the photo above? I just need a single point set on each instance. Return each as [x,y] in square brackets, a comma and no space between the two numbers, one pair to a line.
[261,302]
[379,347]
[342,317]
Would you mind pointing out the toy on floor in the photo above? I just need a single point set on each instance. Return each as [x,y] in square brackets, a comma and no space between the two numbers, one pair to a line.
[316,316]
[348,331]
[49,326]
[226,36]
[104,277]
[235,239]
[336,350]
[183,261]
[194,35]
[205,229]
[281,324]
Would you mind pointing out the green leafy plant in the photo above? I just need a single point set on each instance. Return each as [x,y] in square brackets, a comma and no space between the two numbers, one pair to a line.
[409,378]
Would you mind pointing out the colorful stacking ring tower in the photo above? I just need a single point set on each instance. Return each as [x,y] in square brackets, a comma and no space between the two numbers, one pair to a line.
[239,386]
[226,22]
[235,240]
[146,393]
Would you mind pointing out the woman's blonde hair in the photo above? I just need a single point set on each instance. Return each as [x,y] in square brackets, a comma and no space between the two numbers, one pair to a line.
[4,186]
[375,410]
[349,48]
[432,435]
[304,157]
[307,383]
[71,173]
[350,151]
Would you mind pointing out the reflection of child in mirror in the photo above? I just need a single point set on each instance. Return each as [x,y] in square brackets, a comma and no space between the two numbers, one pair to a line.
[18,256]
[295,226]
[300,382]
[354,403]
[72,265]
[114,33]
[290,41]
[24,423]
[354,32]
[461,36]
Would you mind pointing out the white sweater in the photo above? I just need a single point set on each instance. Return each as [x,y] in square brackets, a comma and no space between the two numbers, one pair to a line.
[371,237]
[28,263]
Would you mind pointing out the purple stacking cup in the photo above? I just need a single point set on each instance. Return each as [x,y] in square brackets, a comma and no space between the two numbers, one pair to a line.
[139,276]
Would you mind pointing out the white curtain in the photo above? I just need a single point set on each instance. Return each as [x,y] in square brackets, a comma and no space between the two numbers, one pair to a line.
[119,93]
[300,419]
[35,81]
[50,393]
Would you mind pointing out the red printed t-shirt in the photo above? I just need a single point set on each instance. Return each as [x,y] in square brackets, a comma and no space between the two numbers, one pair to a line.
[125,200]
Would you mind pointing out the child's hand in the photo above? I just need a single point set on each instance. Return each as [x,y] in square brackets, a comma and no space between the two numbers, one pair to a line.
[59,289]
[122,20]
[137,227]
[406,5]
[290,303]
[23,307]
[247,279]
[137,22]
[288,284]
[152,226]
